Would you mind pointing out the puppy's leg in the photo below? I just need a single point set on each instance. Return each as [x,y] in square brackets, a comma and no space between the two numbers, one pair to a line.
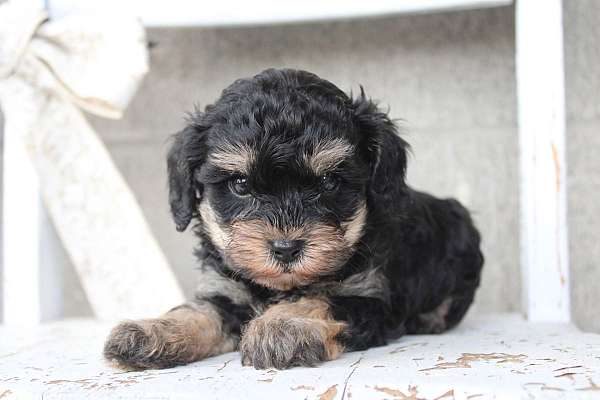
[208,326]
[434,321]
[185,334]
[444,317]
[369,320]
[287,334]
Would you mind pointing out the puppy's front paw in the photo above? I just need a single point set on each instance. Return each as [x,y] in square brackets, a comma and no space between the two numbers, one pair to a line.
[140,345]
[182,336]
[284,343]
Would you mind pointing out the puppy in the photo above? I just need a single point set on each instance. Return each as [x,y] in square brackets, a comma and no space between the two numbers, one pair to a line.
[311,242]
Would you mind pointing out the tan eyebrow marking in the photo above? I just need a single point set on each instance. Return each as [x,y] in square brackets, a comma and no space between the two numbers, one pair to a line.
[328,154]
[233,158]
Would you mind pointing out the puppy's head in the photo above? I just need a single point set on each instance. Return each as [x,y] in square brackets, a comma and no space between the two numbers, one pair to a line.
[281,173]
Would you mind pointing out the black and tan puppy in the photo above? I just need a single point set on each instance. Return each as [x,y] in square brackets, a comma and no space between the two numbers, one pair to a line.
[311,242]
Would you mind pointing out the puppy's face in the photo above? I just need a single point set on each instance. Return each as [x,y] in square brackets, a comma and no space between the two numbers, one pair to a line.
[285,205]
[280,172]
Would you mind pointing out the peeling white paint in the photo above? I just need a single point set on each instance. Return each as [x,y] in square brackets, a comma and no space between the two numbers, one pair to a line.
[489,357]
[541,98]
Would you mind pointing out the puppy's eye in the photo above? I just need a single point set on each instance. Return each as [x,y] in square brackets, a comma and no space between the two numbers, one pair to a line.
[329,182]
[239,186]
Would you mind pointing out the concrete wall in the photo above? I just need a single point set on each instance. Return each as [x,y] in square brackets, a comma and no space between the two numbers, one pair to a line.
[582,51]
[450,77]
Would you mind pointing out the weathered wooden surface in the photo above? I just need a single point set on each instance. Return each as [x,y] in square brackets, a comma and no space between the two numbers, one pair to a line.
[489,357]
[542,146]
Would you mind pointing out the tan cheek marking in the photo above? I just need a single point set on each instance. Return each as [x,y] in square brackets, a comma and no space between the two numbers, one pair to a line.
[328,155]
[219,236]
[354,227]
[233,157]
[326,249]
[248,250]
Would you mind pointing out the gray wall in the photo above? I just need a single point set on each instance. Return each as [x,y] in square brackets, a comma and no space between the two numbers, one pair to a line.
[582,51]
[450,77]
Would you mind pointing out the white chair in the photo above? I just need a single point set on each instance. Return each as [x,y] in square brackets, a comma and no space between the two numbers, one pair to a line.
[498,356]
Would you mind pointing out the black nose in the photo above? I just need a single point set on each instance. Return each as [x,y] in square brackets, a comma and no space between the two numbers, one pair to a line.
[286,250]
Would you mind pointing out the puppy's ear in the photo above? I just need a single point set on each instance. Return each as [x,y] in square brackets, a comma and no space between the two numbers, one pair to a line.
[385,150]
[187,153]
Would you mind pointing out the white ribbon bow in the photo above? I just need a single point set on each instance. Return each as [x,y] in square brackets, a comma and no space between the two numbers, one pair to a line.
[48,70]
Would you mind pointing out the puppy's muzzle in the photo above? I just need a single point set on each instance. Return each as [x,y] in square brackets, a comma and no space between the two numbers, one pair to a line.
[286,251]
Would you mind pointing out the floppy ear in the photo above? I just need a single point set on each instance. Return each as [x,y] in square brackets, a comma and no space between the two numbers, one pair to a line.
[385,150]
[187,153]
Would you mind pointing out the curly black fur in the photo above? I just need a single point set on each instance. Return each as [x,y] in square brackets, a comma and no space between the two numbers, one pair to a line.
[415,262]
